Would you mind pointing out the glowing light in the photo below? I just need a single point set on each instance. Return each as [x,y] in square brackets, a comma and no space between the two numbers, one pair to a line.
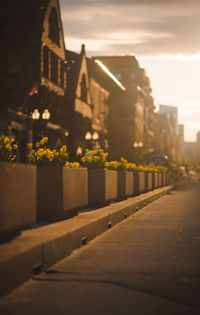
[46,114]
[88,135]
[35,114]
[95,135]
[110,74]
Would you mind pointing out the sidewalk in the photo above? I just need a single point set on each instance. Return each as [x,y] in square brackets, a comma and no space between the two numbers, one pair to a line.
[38,248]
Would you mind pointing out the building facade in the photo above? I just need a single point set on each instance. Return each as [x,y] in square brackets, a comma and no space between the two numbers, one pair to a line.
[33,76]
[134,117]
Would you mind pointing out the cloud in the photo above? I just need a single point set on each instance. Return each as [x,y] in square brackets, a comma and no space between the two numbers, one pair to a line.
[141,26]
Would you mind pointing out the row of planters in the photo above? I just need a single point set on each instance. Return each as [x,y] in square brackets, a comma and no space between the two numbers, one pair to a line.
[51,188]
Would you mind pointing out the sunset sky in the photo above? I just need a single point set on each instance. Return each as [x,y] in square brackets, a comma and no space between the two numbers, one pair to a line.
[164,34]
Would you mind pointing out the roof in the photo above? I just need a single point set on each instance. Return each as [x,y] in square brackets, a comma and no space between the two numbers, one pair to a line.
[73,68]
[95,71]
[118,60]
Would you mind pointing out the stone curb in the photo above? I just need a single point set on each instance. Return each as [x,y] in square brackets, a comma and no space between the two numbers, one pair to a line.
[37,249]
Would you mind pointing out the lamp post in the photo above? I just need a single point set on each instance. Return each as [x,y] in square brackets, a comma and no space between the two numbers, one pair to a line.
[138,150]
[40,121]
[91,138]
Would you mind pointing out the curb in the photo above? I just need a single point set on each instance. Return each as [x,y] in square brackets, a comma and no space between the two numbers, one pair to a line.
[35,250]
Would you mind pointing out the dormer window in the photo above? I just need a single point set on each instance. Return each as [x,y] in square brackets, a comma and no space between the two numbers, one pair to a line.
[83,88]
[53,26]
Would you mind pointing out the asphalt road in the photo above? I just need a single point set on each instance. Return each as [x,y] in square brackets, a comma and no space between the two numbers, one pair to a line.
[147,264]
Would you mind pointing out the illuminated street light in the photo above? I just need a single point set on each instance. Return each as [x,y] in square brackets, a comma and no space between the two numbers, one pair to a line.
[95,136]
[35,114]
[88,136]
[46,114]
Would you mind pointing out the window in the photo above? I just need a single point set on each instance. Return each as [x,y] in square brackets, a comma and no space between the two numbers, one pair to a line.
[46,61]
[62,74]
[83,88]
[54,68]
[53,26]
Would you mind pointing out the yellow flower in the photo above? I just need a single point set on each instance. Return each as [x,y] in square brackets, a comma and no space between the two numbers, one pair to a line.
[30,146]
[37,144]
[15,146]
[6,140]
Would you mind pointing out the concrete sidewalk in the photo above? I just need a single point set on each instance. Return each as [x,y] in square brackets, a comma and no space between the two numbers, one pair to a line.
[38,248]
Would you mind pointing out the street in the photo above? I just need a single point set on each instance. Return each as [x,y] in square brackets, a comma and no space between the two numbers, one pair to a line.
[147,264]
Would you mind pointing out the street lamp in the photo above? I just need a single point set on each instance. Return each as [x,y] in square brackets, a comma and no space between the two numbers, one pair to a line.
[95,136]
[40,122]
[35,114]
[88,136]
[91,138]
[138,150]
[46,114]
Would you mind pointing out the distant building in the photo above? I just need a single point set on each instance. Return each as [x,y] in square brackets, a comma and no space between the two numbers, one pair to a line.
[172,115]
[192,151]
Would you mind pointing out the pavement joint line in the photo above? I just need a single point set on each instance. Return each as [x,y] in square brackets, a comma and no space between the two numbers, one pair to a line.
[35,250]
[123,285]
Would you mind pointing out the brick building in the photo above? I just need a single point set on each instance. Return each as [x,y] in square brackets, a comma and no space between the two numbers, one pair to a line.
[92,92]
[134,116]
[33,76]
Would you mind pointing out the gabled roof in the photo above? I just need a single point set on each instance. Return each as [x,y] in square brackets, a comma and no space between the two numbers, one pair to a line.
[73,69]
[22,20]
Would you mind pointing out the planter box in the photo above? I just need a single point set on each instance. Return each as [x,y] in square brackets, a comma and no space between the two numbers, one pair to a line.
[136,183]
[165,179]
[141,182]
[61,192]
[155,185]
[124,184]
[148,181]
[102,186]
[17,197]
[160,179]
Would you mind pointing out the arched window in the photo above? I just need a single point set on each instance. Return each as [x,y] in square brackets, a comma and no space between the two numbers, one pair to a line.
[83,88]
[53,26]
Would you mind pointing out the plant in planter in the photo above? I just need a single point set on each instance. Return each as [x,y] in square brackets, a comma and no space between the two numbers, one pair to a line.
[17,191]
[102,182]
[124,177]
[61,185]
[141,179]
[7,150]
[162,171]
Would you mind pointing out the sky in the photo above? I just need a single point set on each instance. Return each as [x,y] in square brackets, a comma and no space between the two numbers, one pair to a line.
[163,34]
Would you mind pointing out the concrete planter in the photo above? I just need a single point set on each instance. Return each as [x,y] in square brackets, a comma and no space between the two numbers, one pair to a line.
[102,186]
[148,181]
[155,185]
[141,182]
[160,179]
[165,179]
[136,183]
[129,184]
[17,198]
[61,192]
[124,184]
